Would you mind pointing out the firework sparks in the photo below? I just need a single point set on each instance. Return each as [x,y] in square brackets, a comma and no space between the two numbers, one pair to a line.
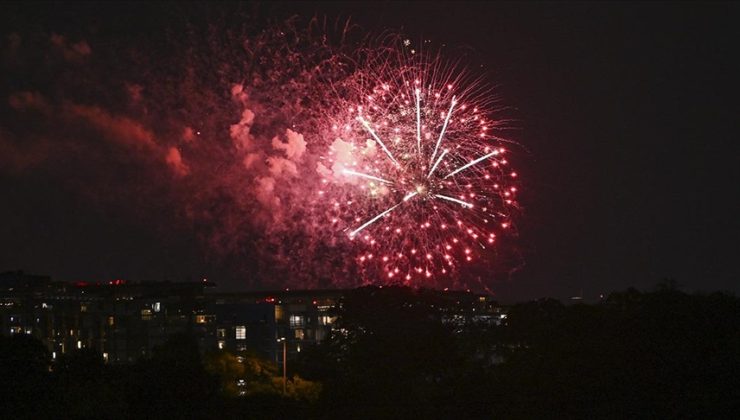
[377,139]
[454,200]
[440,191]
[351,172]
[475,162]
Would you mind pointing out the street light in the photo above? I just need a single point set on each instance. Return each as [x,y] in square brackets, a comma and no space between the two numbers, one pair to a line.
[285,363]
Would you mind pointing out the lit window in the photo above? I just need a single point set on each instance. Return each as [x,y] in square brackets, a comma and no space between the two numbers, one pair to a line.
[105,357]
[221,345]
[83,308]
[241,332]
[111,321]
[156,307]
[200,319]
[146,314]
[296,321]
[299,334]
[325,320]
[221,333]
[79,344]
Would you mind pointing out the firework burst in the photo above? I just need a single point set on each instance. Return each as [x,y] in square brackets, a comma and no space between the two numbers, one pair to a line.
[417,177]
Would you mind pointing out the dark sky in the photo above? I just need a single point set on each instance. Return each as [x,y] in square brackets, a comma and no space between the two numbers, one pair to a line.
[628,124]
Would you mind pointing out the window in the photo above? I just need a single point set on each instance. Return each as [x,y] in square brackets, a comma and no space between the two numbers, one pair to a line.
[296,321]
[241,332]
[157,307]
[221,333]
[146,314]
[299,334]
[325,320]
[83,308]
[221,345]
[111,321]
[200,319]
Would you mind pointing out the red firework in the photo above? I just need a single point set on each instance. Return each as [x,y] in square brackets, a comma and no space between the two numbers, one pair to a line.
[417,175]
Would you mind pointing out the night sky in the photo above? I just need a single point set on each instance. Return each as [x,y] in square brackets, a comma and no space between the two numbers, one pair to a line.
[627,119]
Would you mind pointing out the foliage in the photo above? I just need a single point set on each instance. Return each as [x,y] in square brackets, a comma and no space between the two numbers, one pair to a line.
[401,353]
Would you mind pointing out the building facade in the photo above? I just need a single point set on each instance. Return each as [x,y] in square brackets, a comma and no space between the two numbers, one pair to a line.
[125,321]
